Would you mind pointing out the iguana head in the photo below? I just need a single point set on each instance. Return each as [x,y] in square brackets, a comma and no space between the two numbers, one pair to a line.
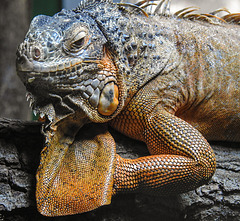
[67,65]
[92,59]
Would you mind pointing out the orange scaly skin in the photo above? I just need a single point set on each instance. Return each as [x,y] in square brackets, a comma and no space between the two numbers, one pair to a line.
[75,177]
[181,157]
[167,81]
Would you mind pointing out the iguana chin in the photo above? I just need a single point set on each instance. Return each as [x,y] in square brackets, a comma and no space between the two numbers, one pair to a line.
[164,80]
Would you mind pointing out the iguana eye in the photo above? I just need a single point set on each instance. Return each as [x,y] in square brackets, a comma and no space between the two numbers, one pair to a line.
[76,39]
[79,43]
[79,40]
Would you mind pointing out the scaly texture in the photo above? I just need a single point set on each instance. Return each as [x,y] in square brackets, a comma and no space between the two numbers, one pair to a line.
[75,177]
[164,80]
[182,158]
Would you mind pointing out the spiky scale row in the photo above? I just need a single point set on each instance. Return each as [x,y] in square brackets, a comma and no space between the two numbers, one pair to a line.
[90,3]
[163,9]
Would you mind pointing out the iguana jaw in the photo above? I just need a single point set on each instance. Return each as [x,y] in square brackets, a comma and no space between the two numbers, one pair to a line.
[97,92]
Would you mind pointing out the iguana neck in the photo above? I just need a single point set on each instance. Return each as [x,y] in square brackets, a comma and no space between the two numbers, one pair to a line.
[135,41]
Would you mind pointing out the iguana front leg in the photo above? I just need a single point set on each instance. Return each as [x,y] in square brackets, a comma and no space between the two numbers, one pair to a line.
[182,159]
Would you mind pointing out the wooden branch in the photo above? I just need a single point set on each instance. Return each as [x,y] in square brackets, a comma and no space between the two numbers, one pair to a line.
[20,146]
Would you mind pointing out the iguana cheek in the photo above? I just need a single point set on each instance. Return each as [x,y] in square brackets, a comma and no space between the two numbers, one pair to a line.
[108,101]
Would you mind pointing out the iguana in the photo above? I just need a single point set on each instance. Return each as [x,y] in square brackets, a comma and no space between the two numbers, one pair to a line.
[171,81]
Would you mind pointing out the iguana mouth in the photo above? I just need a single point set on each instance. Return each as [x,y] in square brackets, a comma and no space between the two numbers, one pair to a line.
[100,91]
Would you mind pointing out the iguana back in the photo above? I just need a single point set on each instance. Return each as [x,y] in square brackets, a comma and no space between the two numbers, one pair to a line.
[201,80]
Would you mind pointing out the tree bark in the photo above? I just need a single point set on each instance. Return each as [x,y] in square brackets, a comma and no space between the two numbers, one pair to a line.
[14,23]
[20,146]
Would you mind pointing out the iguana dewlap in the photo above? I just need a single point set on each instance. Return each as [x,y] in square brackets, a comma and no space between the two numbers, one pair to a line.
[165,80]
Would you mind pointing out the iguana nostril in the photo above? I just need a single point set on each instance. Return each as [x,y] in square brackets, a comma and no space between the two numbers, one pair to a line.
[36,53]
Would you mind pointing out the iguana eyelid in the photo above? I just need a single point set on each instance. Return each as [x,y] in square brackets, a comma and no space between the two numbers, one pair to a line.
[79,36]
[78,41]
